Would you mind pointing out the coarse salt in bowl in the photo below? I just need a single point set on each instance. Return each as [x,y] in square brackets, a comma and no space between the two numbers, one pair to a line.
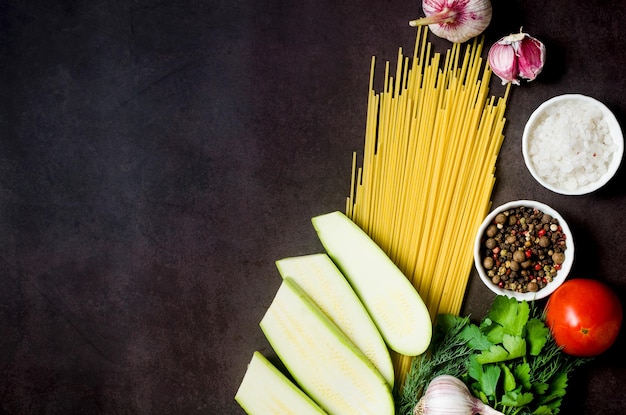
[479,253]
[572,144]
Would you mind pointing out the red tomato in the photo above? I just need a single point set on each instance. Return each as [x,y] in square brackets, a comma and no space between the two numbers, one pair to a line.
[585,317]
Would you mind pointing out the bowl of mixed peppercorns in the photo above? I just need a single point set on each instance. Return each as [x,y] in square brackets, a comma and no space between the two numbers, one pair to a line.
[524,249]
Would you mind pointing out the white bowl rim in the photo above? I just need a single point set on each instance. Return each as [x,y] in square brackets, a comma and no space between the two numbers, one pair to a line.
[562,274]
[614,127]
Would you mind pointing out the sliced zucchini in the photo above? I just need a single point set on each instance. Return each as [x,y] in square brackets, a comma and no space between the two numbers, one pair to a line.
[328,367]
[265,390]
[320,278]
[391,300]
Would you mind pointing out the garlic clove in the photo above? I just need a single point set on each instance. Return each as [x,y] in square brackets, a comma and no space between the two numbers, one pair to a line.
[504,62]
[531,57]
[516,56]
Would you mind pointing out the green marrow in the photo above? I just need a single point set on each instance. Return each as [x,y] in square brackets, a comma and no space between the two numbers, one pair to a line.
[320,278]
[328,367]
[265,390]
[391,300]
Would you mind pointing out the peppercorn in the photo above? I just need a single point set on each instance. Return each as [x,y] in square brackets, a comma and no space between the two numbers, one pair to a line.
[488,262]
[500,218]
[523,248]
[518,256]
[558,258]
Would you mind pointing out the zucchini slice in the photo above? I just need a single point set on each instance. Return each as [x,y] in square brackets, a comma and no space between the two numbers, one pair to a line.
[328,367]
[265,390]
[391,300]
[320,278]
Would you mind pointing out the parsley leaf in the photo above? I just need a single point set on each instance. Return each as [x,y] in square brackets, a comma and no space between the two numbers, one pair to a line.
[496,353]
[540,387]
[517,398]
[475,339]
[522,374]
[516,345]
[543,410]
[487,377]
[556,388]
[537,334]
[509,382]
[511,314]
[512,347]
[509,360]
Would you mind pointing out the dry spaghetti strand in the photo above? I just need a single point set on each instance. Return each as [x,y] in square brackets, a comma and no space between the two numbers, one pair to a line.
[431,143]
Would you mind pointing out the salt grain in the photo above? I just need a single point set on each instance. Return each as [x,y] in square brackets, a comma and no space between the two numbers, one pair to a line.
[570,145]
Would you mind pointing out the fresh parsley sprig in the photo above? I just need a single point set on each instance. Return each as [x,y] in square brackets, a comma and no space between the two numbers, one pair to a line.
[509,360]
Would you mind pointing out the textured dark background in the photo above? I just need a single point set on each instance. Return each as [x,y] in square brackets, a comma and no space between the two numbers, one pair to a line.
[157,157]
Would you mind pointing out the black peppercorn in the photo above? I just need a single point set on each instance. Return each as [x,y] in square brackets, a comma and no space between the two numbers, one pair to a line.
[523,249]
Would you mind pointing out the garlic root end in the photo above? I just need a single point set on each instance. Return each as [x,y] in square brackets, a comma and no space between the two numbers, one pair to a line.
[444,16]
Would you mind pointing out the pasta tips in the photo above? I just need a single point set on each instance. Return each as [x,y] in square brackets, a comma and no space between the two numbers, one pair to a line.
[424,182]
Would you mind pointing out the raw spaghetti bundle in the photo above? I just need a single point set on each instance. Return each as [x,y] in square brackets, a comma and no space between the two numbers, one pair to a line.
[427,172]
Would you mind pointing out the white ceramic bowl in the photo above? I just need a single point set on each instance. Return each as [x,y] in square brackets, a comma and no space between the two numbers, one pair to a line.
[616,150]
[561,274]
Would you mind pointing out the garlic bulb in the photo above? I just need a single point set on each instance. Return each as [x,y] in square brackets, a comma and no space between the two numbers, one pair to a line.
[516,56]
[455,20]
[447,395]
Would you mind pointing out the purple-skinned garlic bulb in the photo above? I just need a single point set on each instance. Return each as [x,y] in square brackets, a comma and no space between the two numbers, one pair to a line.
[517,56]
[455,20]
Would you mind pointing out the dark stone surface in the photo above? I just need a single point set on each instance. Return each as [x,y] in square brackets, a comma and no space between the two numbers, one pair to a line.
[157,157]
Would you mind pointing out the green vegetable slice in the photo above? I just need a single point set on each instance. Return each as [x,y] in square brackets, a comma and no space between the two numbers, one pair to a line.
[391,300]
[320,357]
[265,390]
[320,278]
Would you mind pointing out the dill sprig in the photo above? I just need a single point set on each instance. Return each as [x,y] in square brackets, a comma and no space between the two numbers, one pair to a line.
[509,360]
[447,354]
